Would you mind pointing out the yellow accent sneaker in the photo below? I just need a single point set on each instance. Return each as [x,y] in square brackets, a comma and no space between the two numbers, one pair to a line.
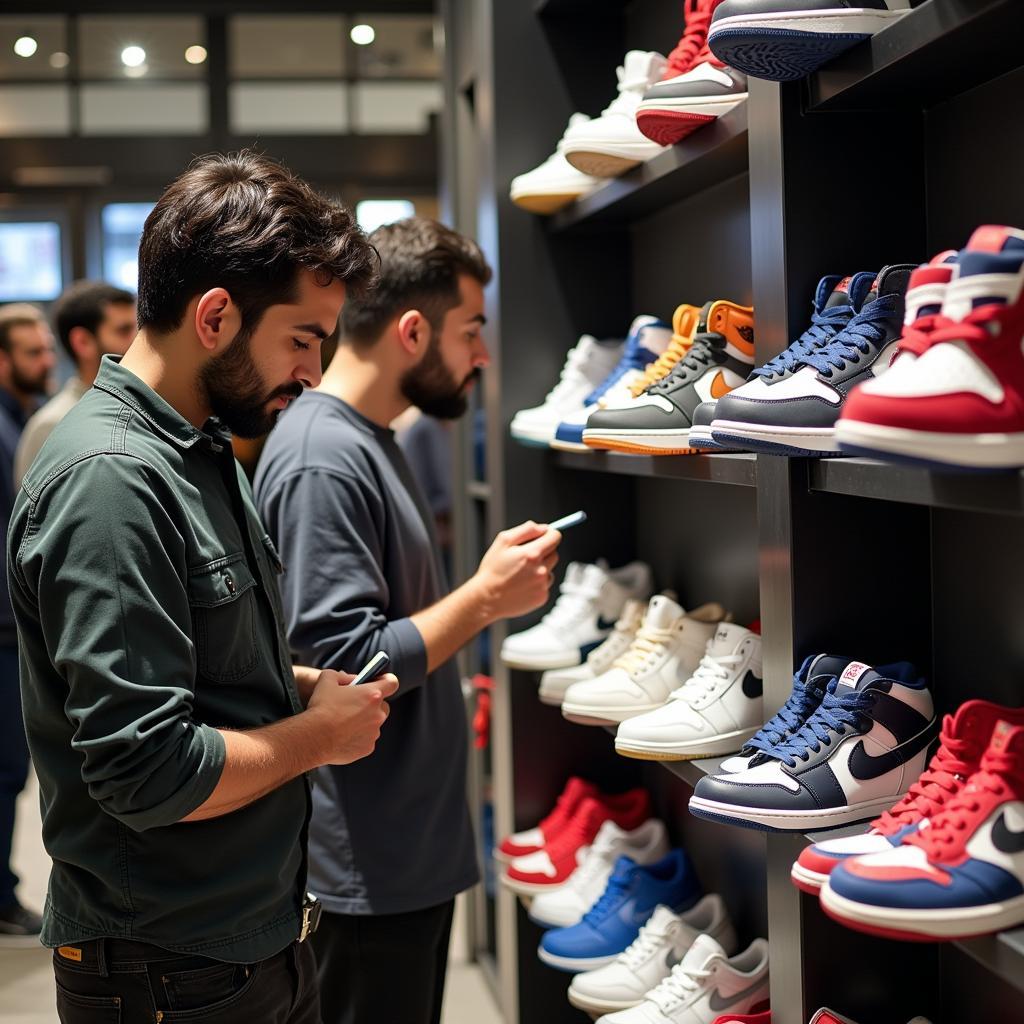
[684,326]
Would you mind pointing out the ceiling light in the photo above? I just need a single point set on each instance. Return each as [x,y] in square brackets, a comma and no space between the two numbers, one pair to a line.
[59,59]
[195,54]
[25,46]
[133,56]
[362,35]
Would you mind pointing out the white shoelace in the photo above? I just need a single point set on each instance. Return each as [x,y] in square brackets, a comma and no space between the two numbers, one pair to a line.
[649,645]
[711,672]
[646,944]
[570,377]
[572,606]
[596,863]
[679,987]
[618,642]
[629,95]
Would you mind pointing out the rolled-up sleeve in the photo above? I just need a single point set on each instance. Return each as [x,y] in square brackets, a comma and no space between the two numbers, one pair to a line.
[104,561]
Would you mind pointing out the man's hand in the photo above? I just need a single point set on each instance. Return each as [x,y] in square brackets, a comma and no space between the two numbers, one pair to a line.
[348,718]
[515,574]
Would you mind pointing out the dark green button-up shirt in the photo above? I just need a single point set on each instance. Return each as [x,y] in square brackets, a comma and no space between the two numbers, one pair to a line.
[145,592]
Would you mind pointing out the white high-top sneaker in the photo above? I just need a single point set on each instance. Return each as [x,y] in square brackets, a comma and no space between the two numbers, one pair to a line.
[555,183]
[667,649]
[713,713]
[611,144]
[566,905]
[661,944]
[589,603]
[587,364]
[705,986]
[556,681]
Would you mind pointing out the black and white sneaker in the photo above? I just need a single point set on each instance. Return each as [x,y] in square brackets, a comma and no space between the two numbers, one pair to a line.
[19,928]
[795,412]
[785,39]
[858,753]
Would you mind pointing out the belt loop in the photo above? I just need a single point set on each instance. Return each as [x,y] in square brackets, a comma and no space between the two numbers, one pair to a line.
[101,958]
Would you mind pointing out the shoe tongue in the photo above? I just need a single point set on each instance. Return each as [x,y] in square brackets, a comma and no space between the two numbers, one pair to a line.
[662,919]
[728,636]
[623,870]
[643,65]
[650,333]
[891,280]
[832,293]
[1007,738]
[593,577]
[578,119]
[994,256]
[608,835]
[702,949]
[825,667]
[574,573]
[632,613]
[856,676]
[662,612]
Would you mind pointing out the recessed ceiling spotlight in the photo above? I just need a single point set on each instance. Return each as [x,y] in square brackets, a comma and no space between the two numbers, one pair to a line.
[25,46]
[195,54]
[133,56]
[362,35]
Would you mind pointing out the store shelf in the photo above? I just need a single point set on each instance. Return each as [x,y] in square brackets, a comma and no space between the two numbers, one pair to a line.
[1002,954]
[740,468]
[691,772]
[706,158]
[591,8]
[1001,493]
[940,49]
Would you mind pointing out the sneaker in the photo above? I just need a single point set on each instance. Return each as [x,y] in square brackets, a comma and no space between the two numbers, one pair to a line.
[590,601]
[614,921]
[797,415]
[827,1016]
[587,364]
[648,339]
[565,905]
[785,39]
[685,322]
[649,959]
[961,403]
[805,698]
[611,144]
[556,681]
[962,741]
[855,755]
[764,1017]
[541,871]
[962,876]
[19,927]
[657,422]
[705,984]
[667,649]
[713,713]
[554,184]
[520,844]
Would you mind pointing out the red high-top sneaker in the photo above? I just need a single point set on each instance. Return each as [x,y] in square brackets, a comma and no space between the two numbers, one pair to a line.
[520,844]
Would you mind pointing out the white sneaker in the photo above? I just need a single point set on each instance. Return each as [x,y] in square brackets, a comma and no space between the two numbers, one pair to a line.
[611,144]
[705,986]
[587,364]
[556,681]
[589,603]
[661,944]
[566,905]
[555,183]
[667,649]
[713,713]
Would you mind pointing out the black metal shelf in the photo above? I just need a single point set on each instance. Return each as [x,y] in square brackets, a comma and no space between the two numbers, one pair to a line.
[1002,954]
[739,468]
[940,49]
[709,156]
[1001,493]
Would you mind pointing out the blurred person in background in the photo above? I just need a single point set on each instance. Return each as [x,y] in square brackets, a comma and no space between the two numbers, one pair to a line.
[92,318]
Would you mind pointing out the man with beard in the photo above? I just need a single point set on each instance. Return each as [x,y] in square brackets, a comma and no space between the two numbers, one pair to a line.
[26,364]
[93,319]
[169,729]
[391,841]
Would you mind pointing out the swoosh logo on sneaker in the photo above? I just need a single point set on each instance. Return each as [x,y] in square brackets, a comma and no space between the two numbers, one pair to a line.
[864,766]
[718,1003]
[1004,838]
[753,686]
[719,388]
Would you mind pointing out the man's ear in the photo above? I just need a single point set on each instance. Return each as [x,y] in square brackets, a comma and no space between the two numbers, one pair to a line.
[414,332]
[82,342]
[217,319]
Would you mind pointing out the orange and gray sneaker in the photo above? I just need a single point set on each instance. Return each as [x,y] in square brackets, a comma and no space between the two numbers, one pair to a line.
[658,421]
[685,321]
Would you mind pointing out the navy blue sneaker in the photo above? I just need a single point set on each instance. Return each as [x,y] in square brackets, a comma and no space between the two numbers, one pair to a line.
[859,752]
[615,920]
[785,39]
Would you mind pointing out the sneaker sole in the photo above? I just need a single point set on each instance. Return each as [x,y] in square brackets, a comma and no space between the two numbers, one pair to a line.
[546,203]
[542,664]
[923,925]
[806,880]
[568,446]
[521,888]
[670,121]
[608,160]
[641,442]
[776,440]
[718,746]
[574,965]
[600,1006]
[988,451]
[774,820]
[584,715]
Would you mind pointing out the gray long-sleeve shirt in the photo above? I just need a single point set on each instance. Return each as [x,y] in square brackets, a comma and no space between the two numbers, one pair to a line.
[391,833]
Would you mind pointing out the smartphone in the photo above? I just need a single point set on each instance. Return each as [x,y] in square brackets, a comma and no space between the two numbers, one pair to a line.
[568,522]
[375,667]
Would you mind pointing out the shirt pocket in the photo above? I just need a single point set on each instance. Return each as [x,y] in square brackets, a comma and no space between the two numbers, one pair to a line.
[222,597]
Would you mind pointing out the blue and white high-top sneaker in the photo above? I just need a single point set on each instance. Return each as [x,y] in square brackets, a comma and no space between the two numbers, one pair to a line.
[648,338]
[862,749]
[785,39]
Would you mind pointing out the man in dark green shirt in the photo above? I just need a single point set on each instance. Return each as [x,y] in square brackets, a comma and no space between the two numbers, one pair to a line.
[169,730]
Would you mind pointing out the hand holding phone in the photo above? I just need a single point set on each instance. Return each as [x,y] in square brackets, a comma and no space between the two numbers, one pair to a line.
[375,667]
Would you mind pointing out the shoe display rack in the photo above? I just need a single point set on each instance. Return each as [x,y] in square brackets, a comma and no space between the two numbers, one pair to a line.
[896,150]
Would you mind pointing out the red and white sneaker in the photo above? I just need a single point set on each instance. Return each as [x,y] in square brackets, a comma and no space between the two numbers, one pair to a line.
[552,866]
[925,294]
[827,1016]
[962,876]
[520,844]
[746,1018]
[961,744]
[961,402]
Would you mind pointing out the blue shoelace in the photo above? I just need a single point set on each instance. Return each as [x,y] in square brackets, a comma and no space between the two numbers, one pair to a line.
[833,716]
[865,330]
[824,327]
[609,901]
[631,359]
[801,703]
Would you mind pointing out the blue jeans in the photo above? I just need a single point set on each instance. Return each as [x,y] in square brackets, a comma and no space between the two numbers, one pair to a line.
[13,765]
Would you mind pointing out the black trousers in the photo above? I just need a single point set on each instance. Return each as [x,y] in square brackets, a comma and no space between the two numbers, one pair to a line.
[383,969]
[109,981]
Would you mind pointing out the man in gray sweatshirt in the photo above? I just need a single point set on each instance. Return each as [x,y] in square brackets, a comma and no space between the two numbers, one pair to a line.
[390,840]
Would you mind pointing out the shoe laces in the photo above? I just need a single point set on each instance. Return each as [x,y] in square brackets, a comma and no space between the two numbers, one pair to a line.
[700,355]
[572,605]
[917,337]
[680,986]
[833,715]
[631,359]
[630,91]
[710,674]
[570,376]
[617,887]
[694,39]
[619,641]
[802,702]
[944,777]
[663,365]
[649,645]
[594,864]
[579,830]
[650,938]
[824,327]
[865,330]
[980,326]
